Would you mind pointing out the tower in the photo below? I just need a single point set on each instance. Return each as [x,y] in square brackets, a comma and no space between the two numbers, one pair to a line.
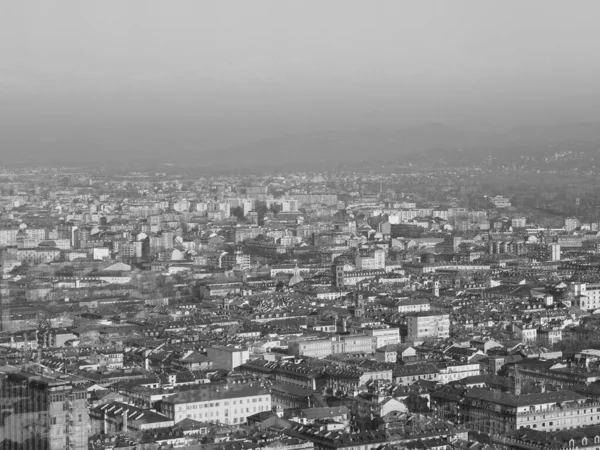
[555,252]
[436,288]
[337,275]
[361,302]
[47,413]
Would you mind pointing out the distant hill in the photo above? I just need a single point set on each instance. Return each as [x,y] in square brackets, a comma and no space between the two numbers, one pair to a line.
[327,149]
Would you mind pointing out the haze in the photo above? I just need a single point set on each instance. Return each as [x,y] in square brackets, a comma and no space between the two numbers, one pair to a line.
[144,77]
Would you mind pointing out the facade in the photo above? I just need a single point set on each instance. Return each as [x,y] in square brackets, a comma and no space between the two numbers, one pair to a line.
[527,334]
[384,336]
[131,249]
[454,372]
[318,348]
[493,412]
[587,295]
[413,305]
[227,404]
[42,412]
[337,276]
[428,326]
[554,252]
[238,259]
[227,358]
[118,417]
[353,343]
[110,360]
[571,223]
[375,261]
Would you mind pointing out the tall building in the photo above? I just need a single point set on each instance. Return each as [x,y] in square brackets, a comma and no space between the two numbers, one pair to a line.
[40,412]
[337,275]
[554,252]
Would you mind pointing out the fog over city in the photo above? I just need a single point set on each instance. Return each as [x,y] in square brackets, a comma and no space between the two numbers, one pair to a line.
[299,224]
[143,80]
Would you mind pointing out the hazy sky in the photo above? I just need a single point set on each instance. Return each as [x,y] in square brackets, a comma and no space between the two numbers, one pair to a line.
[222,71]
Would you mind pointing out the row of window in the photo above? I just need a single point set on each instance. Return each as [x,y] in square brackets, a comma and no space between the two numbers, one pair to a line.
[217,404]
[212,414]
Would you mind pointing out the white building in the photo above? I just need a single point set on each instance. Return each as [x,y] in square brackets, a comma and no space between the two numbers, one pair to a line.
[374,262]
[227,404]
[455,372]
[413,305]
[227,358]
[428,326]
[587,295]
[571,223]
[384,336]
[554,252]
[100,253]
[527,334]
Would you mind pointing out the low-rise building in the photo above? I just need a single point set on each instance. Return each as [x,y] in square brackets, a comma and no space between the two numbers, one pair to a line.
[227,404]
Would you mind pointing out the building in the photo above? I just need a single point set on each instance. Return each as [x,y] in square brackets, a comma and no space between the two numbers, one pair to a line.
[317,348]
[337,275]
[226,404]
[131,249]
[100,253]
[384,336]
[518,222]
[236,260]
[587,295]
[373,262]
[494,412]
[242,234]
[527,334]
[414,305]
[118,417]
[554,252]
[42,412]
[500,202]
[424,326]
[453,372]
[571,223]
[110,360]
[227,358]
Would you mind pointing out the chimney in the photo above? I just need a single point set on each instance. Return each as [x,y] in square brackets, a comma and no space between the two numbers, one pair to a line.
[125,421]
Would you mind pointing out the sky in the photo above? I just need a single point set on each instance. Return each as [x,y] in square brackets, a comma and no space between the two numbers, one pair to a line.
[83,74]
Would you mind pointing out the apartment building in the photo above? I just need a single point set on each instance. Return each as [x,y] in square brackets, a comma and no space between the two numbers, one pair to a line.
[427,325]
[384,336]
[227,404]
[494,412]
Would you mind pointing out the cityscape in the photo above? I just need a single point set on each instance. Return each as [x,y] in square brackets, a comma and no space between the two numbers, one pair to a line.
[297,310]
[299,225]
